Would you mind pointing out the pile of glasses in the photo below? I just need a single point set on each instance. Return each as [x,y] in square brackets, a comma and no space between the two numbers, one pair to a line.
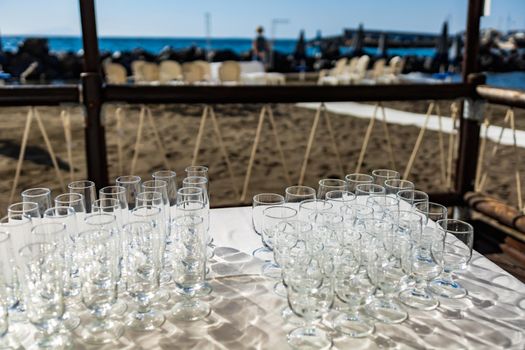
[367,248]
[118,257]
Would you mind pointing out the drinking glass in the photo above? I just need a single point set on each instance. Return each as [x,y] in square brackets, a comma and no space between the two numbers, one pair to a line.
[385,207]
[310,296]
[85,188]
[202,183]
[273,216]
[423,259]
[381,175]
[41,279]
[171,180]
[118,193]
[7,280]
[352,180]
[310,210]
[160,186]
[73,200]
[385,272]
[431,211]
[352,287]
[30,209]
[412,196]
[459,238]
[392,186]
[197,170]
[296,194]
[338,199]
[327,185]
[143,265]
[65,216]
[260,202]
[41,196]
[132,185]
[151,199]
[369,189]
[189,264]
[99,274]
[109,206]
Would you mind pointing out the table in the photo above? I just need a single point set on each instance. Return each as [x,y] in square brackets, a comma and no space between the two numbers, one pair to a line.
[246,312]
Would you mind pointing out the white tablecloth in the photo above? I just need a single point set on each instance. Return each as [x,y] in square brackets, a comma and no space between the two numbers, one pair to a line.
[246,312]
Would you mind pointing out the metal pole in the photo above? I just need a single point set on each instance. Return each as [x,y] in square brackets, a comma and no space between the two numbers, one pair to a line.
[95,139]
[470,123]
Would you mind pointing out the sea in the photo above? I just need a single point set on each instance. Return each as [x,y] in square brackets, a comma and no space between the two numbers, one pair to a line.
[514,80]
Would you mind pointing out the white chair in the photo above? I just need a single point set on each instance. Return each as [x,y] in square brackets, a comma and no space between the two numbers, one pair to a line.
[192,73]
[206,68]
[115,73]
[170,71]
[331,76]
[359,72]
[230,72]
[150,73]
[136,70]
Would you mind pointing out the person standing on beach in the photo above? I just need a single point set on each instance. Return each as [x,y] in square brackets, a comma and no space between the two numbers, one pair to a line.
[260,47]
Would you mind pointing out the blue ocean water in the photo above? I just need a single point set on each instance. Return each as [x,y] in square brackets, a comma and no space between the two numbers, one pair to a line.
[155,45]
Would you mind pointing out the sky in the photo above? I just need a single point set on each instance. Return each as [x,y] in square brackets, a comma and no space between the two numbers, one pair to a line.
[238,18]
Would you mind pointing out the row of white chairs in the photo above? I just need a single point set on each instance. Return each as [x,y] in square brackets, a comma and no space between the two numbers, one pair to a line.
[196,72]
[355,71]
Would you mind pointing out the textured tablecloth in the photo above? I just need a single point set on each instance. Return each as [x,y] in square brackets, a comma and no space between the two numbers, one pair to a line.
[246,312]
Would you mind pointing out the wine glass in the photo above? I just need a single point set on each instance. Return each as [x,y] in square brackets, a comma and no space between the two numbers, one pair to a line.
[143,265]
[259,203]
[120,194]
[189,264]
[352,180]
[385,207]
[327,185]
[392,186]
[457,252]
[431,211]
[197,170]
[85,188]
[422,258]
[412,196]
[99,275]
[310,210]
[170,177]
[369,189]
[41,196]
[339,198]
[310,296]
[381,175]
[109,206]
[30,209]
[296,194]
[41,275]
[73,200]
[202,183]
[160,186]
[132,185]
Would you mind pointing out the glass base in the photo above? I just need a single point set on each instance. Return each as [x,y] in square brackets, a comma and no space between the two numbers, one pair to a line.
[263,254]
[204,290]
[119,309]
[353,326]
[447,289]
[280,289]
[161,298]
[146,321]
[55,341]
[101,332]
[69,322]
[309,338]
[291,318]
[386,311]
[190,310]
[418,299]
[272,271]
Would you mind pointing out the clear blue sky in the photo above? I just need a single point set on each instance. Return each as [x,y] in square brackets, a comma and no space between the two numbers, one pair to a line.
[238,18]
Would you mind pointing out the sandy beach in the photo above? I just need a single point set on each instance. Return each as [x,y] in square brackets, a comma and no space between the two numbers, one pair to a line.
[178,125]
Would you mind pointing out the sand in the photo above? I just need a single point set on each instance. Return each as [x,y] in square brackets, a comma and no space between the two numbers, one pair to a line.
[178,127]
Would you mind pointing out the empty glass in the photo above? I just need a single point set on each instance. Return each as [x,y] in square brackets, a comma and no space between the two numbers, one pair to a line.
[109,206]
[392,186]
[327,185]
[412,196]
[352,180]
[431,211]
[132,185]
[339,199]
[118,193]
[369,189]
[296,194]
[457,252]
[7,280]
[422,259]
[189,264]
[85,188]
[41,196]
[99,274]
[385,207]
[310,210]
[381,175]
[259,203]
[197,170]
[30,209]
[171,180]
[73,200]
[143,265]
[160,186]
[202,183]
[310,296]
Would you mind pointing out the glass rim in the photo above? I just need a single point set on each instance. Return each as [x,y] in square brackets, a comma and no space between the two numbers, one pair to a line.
[308,190]
[470,228]
[96,203]
[315,200]
[11,207]
[93,215]
[44,191]
[121,189]
[70,211]
[353,195]
[21,219]
[196,168]
[128,179]
[58,227]
[429,204]
[135,210]
[155,183]
[357,176]
[377,172]
[71,194]
[168,174]
[370,185]
[414,191]
[267,209]
[187,179]
[335,180]
[400,181]
[153,193]
[192,188]
[256,199]
[80,184]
